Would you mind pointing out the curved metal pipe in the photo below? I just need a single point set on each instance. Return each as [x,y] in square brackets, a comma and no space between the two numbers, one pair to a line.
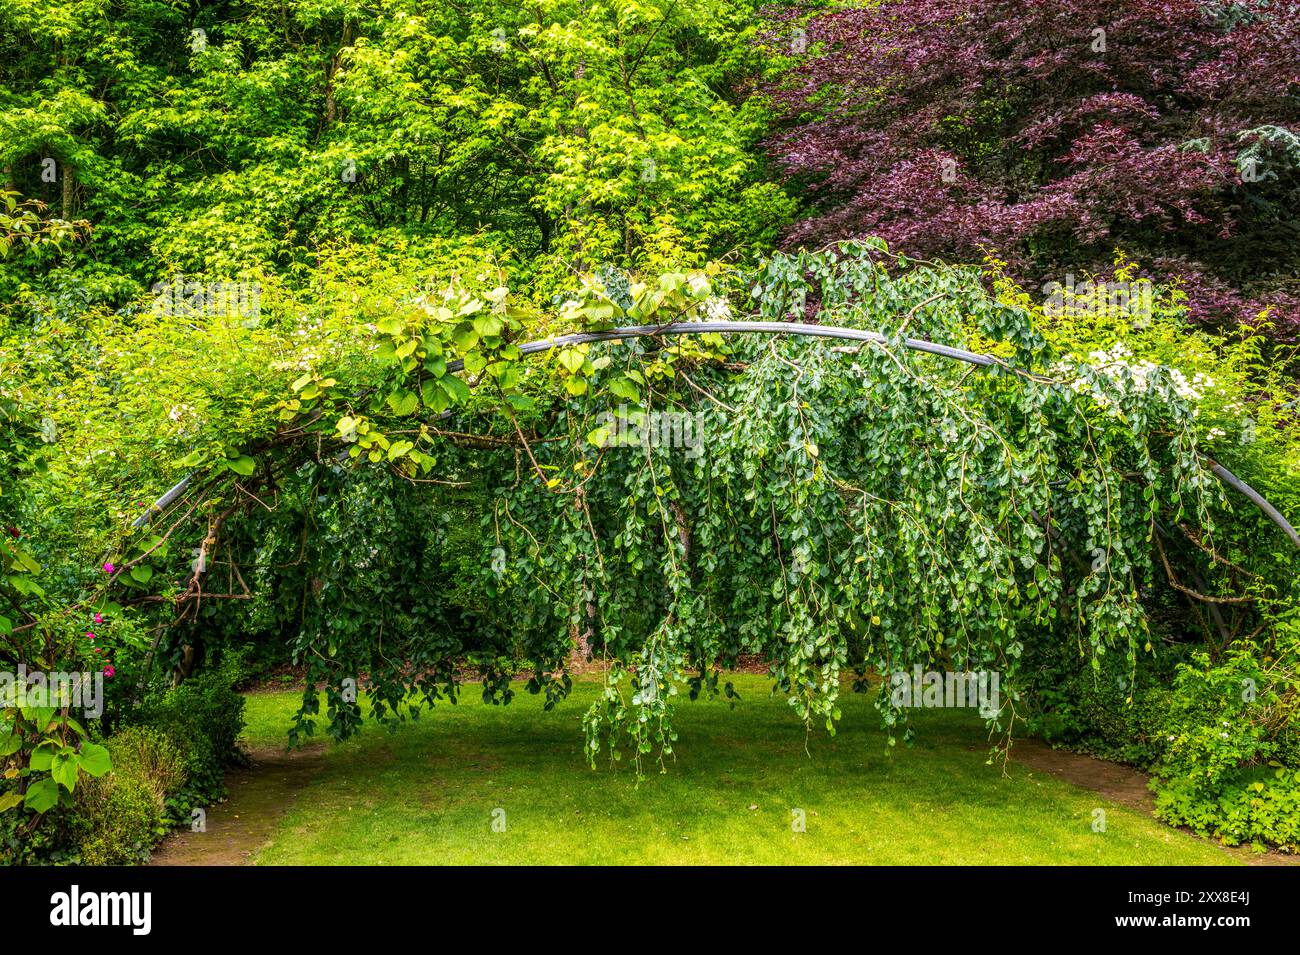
[789,328]
[767,328]
[1271,512]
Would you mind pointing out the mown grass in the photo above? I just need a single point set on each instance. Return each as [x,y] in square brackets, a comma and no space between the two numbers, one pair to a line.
[427,794]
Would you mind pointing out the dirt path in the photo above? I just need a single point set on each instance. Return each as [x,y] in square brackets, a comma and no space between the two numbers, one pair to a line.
[238,827]
[1122,784]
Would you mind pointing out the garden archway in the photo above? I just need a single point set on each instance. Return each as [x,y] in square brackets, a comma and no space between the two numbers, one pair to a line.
[791,328]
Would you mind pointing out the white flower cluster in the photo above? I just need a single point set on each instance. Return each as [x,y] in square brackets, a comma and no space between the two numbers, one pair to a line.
[308,331]
[1117,362]
[186,420]
[1144,376]
[717,309]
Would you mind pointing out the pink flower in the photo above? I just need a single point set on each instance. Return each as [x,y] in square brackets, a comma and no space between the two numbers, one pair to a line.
[97,650]
[90,637]
[109,671]
[99,618]
[108,568]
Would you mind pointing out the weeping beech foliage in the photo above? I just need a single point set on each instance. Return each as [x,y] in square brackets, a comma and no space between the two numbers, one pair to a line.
[853,509]
[838,510]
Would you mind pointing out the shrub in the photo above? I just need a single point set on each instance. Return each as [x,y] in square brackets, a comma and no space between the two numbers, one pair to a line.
[49,843]
[120,816]
[1114,711]
[1229,727]
[203,718]
[171,760]
[149,755]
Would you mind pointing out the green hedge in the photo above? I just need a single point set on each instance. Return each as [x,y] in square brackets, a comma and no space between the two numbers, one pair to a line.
[203,717]
[1229,766]
[121,815]
[170,757]
[1220,737]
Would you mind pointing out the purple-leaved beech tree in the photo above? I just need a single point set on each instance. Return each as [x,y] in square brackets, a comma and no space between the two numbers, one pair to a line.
[1052,132]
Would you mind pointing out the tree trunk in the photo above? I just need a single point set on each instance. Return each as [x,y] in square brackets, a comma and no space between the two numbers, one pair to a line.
[69,186]
[331,69]
[583,633]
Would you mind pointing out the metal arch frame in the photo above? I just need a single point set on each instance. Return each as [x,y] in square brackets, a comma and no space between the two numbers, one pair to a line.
[788,328]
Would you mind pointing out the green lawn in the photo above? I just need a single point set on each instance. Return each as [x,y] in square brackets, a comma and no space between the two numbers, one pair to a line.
[427,794]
